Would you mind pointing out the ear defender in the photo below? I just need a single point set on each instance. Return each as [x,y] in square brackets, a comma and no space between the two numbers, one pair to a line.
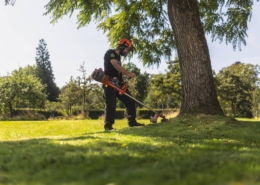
[123,43]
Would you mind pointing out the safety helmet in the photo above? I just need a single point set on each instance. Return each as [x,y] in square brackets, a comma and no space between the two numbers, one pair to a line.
[124,43]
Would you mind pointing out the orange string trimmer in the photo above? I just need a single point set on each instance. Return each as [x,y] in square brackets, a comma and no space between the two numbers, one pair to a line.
[98,75]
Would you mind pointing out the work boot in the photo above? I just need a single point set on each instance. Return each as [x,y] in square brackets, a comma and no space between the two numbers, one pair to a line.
[136,124]
[109,128]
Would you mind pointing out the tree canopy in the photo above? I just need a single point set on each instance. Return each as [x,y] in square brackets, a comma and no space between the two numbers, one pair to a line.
[236,85]
[157,27]
[146,22]
[44,71]
[21,89]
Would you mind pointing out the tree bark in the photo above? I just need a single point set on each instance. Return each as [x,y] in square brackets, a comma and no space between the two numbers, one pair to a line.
[198,90]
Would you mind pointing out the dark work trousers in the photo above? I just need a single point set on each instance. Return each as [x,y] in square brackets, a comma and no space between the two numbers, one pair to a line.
[110,109]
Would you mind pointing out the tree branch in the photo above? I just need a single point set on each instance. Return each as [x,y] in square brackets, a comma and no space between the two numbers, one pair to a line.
[11,2]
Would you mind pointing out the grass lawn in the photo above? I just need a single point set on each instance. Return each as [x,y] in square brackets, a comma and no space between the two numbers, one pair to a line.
[187,150]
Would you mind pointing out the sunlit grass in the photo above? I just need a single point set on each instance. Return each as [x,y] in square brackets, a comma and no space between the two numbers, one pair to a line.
[249,120]
[186,150]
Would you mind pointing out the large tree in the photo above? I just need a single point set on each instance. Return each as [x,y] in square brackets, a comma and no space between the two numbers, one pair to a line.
[45,72]
[21,88]
[236,85]
[84,87]
[156,27]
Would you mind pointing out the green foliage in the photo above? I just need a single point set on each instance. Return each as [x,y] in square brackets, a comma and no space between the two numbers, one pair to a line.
[77,92]
[160,93]
[95,114]
[69,95]
[256,101]
[235,86]
[44,71]
[173,82]
[146,22]
[213,150]
[54,108]
[95,99]
[21,89]
[227,19]
[120,113]
[165,89]
[138,86]
[22,114]
[84,88]
[25,114]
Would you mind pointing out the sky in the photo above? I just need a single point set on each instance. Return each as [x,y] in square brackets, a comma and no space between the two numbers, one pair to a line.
[23,25]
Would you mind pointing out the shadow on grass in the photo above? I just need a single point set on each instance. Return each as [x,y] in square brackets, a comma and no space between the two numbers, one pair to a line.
[169,153]
[46,161]
[245,132]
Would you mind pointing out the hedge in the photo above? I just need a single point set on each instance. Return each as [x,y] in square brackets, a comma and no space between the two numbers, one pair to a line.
[121,113]
[96,114]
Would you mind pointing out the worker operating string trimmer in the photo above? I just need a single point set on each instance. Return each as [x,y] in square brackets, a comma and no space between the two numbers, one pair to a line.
[114,88]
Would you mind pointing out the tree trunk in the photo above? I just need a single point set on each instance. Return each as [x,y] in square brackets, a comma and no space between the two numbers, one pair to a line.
[198,90]
[84,105]
[10,109]
[233,110]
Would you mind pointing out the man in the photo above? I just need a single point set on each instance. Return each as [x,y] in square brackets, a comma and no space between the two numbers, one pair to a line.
[113,69]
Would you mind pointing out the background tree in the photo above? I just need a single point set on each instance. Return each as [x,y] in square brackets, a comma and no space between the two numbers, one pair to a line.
[53,107]
[45,72]
[256,101]
[84,88]
[150,99]
[160,94]
[77,91]
[95,99]
[69,95]
[21,89]
[138,86]
[235,87]
[173,82]
[165,89]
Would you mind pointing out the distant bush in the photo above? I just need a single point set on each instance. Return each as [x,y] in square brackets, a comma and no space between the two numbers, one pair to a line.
[28,114]
[23,115]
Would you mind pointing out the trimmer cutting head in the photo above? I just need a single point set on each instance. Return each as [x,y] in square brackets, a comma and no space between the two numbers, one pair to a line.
[153,119]
[164,119]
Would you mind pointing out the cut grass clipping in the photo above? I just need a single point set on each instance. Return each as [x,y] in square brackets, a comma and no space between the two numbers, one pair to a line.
[186,150]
